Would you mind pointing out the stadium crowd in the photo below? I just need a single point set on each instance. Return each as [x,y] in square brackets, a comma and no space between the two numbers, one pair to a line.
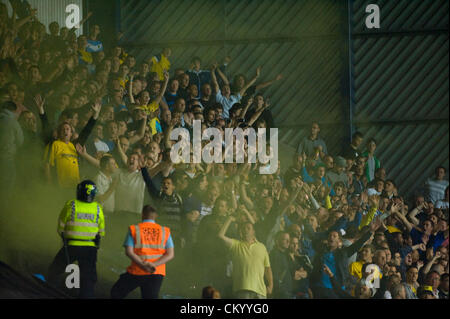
[324,226]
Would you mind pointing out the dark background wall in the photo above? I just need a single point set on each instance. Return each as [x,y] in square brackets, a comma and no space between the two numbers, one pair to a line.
[400,85]
[389,83]
[303,40]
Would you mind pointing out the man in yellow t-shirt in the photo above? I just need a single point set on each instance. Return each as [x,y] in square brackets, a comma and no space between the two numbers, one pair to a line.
[251,264]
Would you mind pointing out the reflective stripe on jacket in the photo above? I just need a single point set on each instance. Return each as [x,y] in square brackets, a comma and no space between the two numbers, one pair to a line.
[81,222]
[150,240]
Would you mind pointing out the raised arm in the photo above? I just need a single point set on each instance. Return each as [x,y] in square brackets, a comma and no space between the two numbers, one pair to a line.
[214,78]
[222,76]
[167,141]
[430,263]
[310,195]
[258,112]
[368,233]
[55,73]
[228,241]
[164,167]
[84,134]
[268,83]
[130,89]
[247,201]
[402,218]
[163,89]
[81,149]
[141,132]
[46,129]
[83,21]
[234,204]
[153,192]
[122,154]
[18,24]
[251,82]
[291,200]
[412,215]
[247,106]
[374,201]
[103,197]
[247,213]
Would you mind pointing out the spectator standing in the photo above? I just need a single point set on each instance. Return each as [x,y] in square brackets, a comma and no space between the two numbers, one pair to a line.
[279,261]
[338,174]
[251,264]
[352,150]
[160,63]
[94,45]
[435,187]
[106,184]
[129,195]
[11,138]
[224,96]
[372,163]
[309,144]
[444,202]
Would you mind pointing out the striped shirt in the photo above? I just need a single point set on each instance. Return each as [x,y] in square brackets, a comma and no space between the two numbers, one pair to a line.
[435,189]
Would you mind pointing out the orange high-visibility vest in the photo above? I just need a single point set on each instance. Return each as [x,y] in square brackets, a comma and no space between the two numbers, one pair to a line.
[149,244]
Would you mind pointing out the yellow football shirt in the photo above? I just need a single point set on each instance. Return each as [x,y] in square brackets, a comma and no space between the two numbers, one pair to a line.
[160,63]
[65,158]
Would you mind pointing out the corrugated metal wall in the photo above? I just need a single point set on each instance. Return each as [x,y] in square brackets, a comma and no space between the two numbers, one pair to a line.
[401,87]
[399,73]
[303,40]
[52,10]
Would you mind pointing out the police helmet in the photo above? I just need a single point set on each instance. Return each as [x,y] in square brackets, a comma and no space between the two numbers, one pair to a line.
[86,191]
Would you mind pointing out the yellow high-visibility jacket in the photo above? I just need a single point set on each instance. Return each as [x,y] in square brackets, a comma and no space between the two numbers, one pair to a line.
[81,222]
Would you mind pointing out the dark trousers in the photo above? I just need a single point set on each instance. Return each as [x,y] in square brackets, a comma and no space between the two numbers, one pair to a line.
[149,284]
[87,259]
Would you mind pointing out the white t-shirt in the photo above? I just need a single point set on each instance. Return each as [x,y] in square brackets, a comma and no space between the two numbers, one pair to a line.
[103,183]
[130,192]
[101,146]
[373,191]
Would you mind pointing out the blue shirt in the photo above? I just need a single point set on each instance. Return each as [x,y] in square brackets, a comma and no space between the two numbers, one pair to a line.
[129,242]
[120,107]
[329,260]
[94,46]
[306,177]
[227,103]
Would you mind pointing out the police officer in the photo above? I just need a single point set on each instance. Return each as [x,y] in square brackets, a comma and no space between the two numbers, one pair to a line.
[150,247]
[81,224]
